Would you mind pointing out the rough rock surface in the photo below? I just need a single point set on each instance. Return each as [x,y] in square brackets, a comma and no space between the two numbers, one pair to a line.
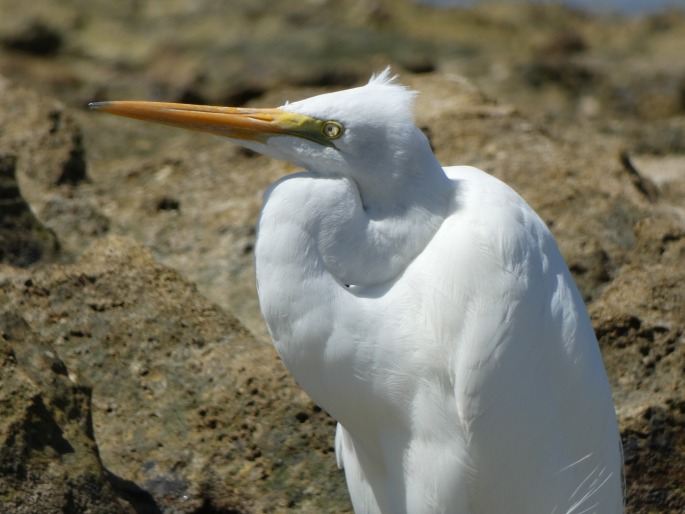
[137,375]
[189,411]
[49,460]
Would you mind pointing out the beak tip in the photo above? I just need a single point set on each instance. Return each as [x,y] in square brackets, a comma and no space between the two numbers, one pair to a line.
[97,105]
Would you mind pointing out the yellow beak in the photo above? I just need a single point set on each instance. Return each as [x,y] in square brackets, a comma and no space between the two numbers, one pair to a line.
[234,122]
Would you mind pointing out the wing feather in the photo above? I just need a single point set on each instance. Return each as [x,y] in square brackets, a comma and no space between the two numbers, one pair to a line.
[526,358]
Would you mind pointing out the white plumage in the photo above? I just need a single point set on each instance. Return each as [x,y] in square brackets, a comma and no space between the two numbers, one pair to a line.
[427,309]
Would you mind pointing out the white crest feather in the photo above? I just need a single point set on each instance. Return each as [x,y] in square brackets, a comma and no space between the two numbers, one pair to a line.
[383,78]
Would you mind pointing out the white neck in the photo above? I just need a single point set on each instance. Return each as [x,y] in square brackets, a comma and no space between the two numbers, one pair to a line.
[316,236]
[373,225]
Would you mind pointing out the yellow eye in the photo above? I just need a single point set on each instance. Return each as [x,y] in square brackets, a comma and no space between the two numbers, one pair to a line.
[332,129]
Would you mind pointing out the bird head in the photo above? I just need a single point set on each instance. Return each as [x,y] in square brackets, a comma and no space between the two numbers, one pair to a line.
[351,132]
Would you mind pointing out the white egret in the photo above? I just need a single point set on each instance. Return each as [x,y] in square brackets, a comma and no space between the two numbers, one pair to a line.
[428,309]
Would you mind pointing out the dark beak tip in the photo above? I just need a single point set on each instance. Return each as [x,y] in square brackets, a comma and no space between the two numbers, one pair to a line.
[97,105]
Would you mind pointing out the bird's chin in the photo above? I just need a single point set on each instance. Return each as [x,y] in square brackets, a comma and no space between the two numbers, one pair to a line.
[292,149]
[255,146]
[268,149]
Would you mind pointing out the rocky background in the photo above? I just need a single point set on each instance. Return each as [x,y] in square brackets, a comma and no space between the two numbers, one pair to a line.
[136,375]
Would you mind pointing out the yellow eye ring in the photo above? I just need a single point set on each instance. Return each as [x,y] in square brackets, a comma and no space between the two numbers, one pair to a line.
[332,129]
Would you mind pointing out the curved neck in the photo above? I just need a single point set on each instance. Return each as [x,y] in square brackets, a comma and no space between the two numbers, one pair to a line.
[374,225]
[318,234]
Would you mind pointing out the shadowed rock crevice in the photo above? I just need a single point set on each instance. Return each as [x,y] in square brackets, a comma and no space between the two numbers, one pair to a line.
[23,238]
[38,38]
[74,168]
[140,500]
